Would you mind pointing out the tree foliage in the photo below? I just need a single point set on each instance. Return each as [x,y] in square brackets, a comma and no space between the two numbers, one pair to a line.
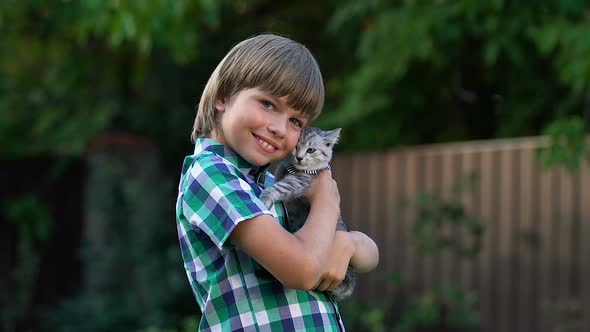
[429,71]
[72,69]
[397,72]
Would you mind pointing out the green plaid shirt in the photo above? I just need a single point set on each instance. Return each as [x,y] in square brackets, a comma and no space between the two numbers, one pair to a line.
[218,189]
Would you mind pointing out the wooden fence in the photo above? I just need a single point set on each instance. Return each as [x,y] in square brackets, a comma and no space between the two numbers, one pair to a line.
[533,270]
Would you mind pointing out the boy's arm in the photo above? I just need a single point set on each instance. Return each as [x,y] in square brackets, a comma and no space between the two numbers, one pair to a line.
[297,260]
[366,253]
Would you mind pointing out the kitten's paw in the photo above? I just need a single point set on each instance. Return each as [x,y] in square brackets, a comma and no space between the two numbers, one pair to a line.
[268,202]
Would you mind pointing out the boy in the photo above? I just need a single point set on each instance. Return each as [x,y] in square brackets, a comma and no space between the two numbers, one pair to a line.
[253,108]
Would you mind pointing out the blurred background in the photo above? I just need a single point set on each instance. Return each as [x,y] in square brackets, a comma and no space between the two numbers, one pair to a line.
[464,154]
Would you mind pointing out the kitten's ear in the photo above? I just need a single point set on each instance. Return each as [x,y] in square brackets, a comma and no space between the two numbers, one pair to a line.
[331,136]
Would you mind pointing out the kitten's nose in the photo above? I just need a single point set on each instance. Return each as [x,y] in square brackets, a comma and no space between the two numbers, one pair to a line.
[299,159]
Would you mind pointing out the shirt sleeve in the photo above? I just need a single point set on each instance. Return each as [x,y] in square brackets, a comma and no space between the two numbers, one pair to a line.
[216,198]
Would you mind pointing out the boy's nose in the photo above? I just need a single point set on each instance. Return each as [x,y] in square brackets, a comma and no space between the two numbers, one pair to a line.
[277,129]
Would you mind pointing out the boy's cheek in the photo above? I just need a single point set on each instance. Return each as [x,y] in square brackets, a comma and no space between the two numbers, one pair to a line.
[283,156]
[293,141]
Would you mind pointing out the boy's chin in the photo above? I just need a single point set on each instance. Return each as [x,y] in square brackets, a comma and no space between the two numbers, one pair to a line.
[259,162]
[265,161]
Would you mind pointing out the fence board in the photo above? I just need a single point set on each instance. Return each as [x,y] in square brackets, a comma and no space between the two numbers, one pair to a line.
[341,173]
[536,319]
[403,246]
[476,209]
[394,241]
[459,233]
[584,261]
[564,236]
[514,249]
[526,241]
[410,191]
[504,234]
[545,249]
[466,267]
[485,269]
[373,180]
[446,177]
[576,238]
[430,267]
[358,216]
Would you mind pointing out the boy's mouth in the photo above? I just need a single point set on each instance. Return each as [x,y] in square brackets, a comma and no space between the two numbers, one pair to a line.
[265,145]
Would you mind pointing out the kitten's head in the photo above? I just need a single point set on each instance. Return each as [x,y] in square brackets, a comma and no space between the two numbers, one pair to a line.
[314,149]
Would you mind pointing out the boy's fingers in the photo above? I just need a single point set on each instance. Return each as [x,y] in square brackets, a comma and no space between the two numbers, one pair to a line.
[324,284]
[324,172]
[334,285]
[328,284]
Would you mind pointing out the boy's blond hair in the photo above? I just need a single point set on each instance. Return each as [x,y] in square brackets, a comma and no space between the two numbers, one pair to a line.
[277,65]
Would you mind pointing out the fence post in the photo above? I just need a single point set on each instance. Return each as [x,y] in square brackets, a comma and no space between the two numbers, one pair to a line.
[585,244]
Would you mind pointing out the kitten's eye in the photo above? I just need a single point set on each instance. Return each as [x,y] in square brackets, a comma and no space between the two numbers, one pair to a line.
[310,150]
[328,144]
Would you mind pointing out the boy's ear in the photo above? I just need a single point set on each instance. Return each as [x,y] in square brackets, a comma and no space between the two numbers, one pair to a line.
[220,105]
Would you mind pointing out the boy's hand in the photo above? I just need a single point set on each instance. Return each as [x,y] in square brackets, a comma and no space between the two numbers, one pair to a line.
[323,189]
[342,250]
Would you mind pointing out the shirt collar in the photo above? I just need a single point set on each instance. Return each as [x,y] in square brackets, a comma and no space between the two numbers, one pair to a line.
[211,145]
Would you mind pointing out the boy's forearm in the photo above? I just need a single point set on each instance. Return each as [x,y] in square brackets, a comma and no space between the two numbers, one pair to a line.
[317,234]
[366,254]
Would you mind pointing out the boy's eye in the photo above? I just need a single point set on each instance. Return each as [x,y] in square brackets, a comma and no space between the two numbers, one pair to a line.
[266,103]
[310,150]
[296,122]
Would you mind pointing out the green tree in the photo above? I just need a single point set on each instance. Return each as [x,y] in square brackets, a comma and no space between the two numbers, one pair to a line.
[430,71]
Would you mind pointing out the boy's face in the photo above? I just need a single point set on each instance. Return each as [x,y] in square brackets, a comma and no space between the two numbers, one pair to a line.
[259,127]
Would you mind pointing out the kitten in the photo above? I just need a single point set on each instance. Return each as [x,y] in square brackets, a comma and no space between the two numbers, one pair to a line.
[294,175]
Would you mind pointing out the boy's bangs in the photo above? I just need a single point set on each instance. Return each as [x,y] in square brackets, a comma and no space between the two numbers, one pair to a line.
[299,81]
[303,90]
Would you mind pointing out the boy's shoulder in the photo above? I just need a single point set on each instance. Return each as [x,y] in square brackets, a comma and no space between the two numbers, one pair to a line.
[211,158]
[208,153]
[209,162]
